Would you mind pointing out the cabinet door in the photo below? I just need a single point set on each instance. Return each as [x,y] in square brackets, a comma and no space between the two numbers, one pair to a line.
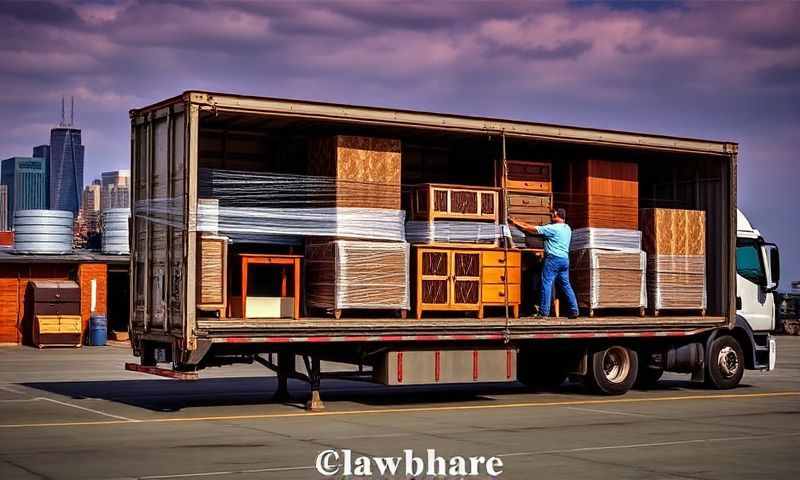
[434,273]
[464,202]
[440,200]
[466,275]
[488,203]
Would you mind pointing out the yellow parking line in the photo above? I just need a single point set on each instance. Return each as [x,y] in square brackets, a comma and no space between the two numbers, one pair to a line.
[453,408]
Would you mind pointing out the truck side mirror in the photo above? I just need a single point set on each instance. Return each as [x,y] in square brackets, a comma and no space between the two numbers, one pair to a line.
[775,264]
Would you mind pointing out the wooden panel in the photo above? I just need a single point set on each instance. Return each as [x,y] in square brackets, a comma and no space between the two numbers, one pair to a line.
[500,258]
[496,293]
[600,193]
[212,253]
[673,232]
[367,170]
[500,274]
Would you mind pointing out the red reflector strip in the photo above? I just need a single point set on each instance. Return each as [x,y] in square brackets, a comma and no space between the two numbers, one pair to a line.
[399,367]
[475,372]
[508,364]
[437,358]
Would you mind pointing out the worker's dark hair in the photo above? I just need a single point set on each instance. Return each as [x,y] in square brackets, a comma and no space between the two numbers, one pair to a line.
[562,214]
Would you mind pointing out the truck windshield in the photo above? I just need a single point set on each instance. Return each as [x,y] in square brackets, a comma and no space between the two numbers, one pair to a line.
[748,261]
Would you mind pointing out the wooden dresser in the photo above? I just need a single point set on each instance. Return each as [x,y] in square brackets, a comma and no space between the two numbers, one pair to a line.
[453,279]
[529,194]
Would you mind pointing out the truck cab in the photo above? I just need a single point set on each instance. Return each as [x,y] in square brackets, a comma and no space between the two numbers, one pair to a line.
[757,277]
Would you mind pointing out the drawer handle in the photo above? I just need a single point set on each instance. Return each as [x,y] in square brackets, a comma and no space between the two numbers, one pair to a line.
[501,260]
[502,294]
[502,278]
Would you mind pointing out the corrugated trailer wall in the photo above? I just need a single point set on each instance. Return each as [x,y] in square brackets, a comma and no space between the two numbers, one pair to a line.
[159,290]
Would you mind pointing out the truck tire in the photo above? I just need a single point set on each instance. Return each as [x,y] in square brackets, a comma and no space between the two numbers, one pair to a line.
[725,365]
[612,370]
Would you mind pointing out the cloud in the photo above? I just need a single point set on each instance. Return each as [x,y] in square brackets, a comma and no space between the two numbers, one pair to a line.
[702,69]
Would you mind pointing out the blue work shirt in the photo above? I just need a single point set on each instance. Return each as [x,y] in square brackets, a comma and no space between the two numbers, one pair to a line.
[556,239]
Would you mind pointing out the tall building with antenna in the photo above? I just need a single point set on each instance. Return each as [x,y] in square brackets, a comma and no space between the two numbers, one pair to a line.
[65,170]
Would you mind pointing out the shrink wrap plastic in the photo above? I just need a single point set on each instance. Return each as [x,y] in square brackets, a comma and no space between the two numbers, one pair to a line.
[344,274]
[677,281]
[609,279]
[607,239]
[274,208]
[443,231]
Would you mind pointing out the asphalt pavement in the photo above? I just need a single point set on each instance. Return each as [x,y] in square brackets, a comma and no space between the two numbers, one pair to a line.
[68,414]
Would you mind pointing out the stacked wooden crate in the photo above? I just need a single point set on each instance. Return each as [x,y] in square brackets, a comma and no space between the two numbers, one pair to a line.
[675,244]
[600,193]
[607,269]
[353,273]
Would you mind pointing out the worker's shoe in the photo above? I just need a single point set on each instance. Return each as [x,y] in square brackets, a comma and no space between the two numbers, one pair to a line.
[572,316]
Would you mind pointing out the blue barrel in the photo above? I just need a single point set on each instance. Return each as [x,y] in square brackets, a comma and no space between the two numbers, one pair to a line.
[98,330]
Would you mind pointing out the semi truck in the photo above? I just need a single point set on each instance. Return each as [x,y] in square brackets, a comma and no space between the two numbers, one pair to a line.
[174,140]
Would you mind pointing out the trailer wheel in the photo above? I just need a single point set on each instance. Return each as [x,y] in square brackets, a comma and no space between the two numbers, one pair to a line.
[612,370]
[725,365]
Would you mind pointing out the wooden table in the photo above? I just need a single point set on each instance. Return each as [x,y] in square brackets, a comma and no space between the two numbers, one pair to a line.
[273,259]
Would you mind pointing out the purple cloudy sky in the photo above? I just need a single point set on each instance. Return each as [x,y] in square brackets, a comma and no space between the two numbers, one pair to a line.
[715,70]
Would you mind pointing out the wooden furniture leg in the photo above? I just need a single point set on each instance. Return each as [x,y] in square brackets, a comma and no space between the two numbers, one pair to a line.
[245,263]
[283,282]
[297,288]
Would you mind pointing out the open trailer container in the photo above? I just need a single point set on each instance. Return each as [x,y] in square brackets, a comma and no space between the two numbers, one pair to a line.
[174,140]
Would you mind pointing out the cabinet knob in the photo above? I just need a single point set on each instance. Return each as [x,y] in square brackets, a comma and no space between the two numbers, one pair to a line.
[502,294]
[502,278]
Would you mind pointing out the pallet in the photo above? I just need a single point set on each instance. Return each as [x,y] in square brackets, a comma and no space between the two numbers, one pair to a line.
[641,310]
[701,312]
[337,313]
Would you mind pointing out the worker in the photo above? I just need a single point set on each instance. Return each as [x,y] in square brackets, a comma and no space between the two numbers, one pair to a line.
[557,236]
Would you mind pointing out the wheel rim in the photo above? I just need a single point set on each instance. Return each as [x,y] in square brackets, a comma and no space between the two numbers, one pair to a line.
[616,364]
[728,362]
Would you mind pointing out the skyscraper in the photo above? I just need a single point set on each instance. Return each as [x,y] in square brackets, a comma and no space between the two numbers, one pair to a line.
[66,169]
[43,152]
[116,189]
[24,178]
[3,208]
[91,206]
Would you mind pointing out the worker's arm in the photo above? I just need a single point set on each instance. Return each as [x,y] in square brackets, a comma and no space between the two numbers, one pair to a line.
[528,227]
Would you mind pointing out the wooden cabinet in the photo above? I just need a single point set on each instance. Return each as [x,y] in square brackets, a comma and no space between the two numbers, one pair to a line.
[453,202]
[212,266]
[532,176]
[451,279]
[501,273]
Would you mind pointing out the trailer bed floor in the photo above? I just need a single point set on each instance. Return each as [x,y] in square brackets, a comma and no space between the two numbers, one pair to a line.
[373,327]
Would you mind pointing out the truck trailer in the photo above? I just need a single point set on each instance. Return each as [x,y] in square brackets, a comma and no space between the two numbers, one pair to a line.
[220,180]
